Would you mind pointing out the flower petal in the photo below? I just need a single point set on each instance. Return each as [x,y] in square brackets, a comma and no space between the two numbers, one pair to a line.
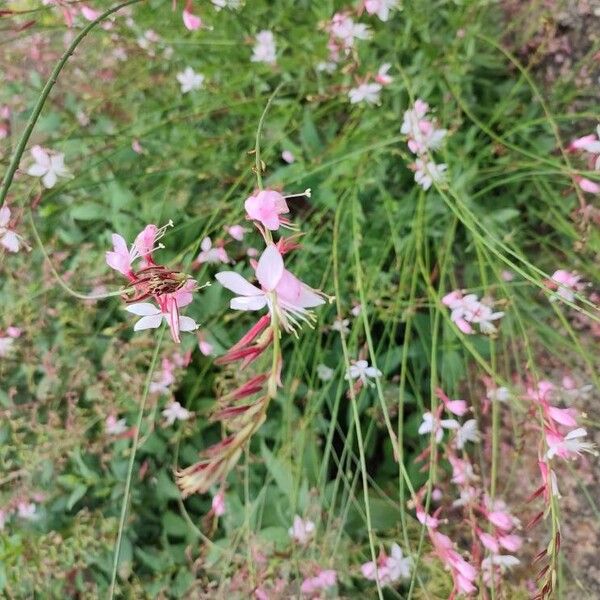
[143,309]
[270,268]
[187,323]
[149,322]
[248,302]
[236,283]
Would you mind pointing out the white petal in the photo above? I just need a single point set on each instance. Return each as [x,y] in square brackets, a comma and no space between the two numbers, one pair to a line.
[308,298]
[248,302]
[36,170]
[187,324]
[151,322]
[10,241]
[143,309]
[270,268]
[237,284]
[4,216]
[49,179]
[40,156]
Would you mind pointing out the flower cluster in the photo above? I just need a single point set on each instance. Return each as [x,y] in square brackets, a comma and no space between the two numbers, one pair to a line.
[423,138]
[171,290]
[288,302]
[589,146]
[388,568]
[467,310]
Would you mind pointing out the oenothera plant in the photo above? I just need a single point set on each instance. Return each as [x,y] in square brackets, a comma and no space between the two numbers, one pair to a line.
[288,302]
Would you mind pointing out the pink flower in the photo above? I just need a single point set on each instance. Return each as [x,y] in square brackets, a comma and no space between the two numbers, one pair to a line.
[88,13]
[218,254]
[237,232]
[324,580]
[190,20]
[265,207]
[301,530]
[114,426]
[287,157]
[286,297]
[422,133]
[218,504]
[583,142]
[382,76]
[381,8]
[8,238]
[390,568]
[120,258]
[567,283]
[569,445]
[463,574]
[13,332]
[456,407]
[206,348]
[587,185]
[27,510]
[468,309]
[48,166]
[136,146]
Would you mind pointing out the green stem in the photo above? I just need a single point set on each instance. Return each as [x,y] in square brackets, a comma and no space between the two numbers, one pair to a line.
[258,162]
[39,105]
[134,447]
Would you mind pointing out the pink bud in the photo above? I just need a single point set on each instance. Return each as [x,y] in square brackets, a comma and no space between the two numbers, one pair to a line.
[191,21]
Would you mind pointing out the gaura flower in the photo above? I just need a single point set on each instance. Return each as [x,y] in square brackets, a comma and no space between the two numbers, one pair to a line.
[390,568]
[152,317]
[324,579]
[382,76]
[427,172]
[436,425]
[175,412]
[361,370]
[467,432]
[381,8]
[287,157]
[49,166]
[264,48]
[210,254]
[422,133]
[190,20]
[286,297]
[265,207]
[301,530]
[218,504]
[237,232]
[567,283]
[569,445]
[365,92]
[8,238]
[324,373]
[114,426]
[232,4]
[189,80]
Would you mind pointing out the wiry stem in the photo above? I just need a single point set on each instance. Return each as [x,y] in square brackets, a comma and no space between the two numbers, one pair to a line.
[39,105]
[134,447]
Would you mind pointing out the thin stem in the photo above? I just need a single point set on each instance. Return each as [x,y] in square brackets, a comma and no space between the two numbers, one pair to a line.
[134,447]
[258,163]
[60,280]
[20,148]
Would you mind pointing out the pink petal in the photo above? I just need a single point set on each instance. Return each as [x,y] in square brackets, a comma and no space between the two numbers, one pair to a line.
[270,268]
[191,21]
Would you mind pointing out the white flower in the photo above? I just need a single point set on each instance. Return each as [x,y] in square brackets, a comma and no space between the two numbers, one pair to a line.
[152,317]
[341,325]
[231,4]
[382,76]
[381,8]
[114,426]
[326,66]
[501,394]
[301,530]
[324,373]
[360,369]
[175,412]
[434,424]
[398,566]
[6,346]
[426,172]
[27,510]
[264,48]
[567,446]
[365,92]
[467,432]
[8,238]
[209,254]
[189,80]
[48,166]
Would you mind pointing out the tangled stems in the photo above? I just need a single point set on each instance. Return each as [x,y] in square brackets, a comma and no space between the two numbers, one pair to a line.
[39,105]
[134,447]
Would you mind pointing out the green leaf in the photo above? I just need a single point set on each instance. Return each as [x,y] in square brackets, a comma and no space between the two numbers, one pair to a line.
[76,495]
[279,469]
[89,211]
